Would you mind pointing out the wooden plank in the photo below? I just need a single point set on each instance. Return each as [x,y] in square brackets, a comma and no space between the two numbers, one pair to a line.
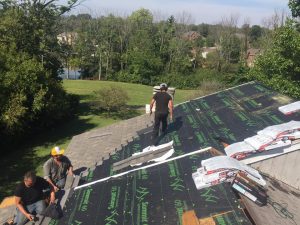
[263,166]
[290,172]
[284,168]
[190,218]
[293,177]
[278,164]
[207,221]
[141,158]
[8,201]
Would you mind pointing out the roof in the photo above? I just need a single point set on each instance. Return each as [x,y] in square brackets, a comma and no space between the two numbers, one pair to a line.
[284,168]
[162,193]
[283,207]
[191,35]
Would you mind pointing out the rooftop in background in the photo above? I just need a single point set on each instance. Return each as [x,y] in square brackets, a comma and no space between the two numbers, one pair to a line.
[68,38]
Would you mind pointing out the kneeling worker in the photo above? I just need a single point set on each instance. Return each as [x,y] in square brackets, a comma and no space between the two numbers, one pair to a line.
[57,168]
[29,197]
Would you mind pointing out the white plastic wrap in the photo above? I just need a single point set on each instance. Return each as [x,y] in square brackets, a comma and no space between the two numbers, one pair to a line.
[280,129]
[272,137]
[152,148]
[290,108]
[259,142]
[239,149]
[223,169]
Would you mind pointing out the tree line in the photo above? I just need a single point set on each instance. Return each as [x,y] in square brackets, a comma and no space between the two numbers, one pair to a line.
[142,49]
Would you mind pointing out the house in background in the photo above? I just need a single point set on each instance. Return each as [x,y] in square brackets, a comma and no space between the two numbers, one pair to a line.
[252,53]
[191,35]
[68,38]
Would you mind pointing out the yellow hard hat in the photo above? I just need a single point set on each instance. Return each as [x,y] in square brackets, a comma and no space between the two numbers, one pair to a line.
[57,151]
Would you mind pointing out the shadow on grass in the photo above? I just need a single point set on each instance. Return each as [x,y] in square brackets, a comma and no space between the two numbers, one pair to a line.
[122,115]
[128,112]
[32,153]
[86,97]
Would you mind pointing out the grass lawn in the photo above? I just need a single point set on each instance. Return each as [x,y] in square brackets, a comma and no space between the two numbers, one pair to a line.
[138,94]
[32,154]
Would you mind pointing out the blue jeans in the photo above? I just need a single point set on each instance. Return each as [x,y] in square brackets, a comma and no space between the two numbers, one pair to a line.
[61,183]
[35,208]
[159,118]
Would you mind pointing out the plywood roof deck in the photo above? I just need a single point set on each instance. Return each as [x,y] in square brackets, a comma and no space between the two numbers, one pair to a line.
[283,207]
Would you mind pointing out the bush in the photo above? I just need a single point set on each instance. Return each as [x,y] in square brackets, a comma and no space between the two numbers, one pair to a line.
[208,87]
[190,81]
[111,99]
[180,81]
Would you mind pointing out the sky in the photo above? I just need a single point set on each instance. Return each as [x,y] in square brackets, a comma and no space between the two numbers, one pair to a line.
[194,11]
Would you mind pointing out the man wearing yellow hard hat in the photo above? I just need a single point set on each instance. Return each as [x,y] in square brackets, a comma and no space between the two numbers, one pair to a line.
[57,168]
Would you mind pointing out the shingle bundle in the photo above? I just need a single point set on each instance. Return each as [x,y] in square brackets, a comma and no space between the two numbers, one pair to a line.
[272,137]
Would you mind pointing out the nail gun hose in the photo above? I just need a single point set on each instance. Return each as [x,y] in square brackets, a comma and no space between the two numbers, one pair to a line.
[281,210]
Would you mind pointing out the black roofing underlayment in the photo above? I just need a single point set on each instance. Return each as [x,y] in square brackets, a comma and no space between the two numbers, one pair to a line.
[161,194]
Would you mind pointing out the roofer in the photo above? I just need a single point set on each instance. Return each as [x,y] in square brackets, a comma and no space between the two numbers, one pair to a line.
[164,106]
[29,197]
[57,168]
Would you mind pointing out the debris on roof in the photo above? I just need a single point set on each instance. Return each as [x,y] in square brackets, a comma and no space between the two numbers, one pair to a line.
[148,154]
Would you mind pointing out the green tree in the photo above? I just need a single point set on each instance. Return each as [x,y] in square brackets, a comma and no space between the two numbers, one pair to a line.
[279,66]
[229,43]
[294,6]
[255,33]
[143,61]
[142,56]
[180,57]
[84,47]
[32,96]
[204,29]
